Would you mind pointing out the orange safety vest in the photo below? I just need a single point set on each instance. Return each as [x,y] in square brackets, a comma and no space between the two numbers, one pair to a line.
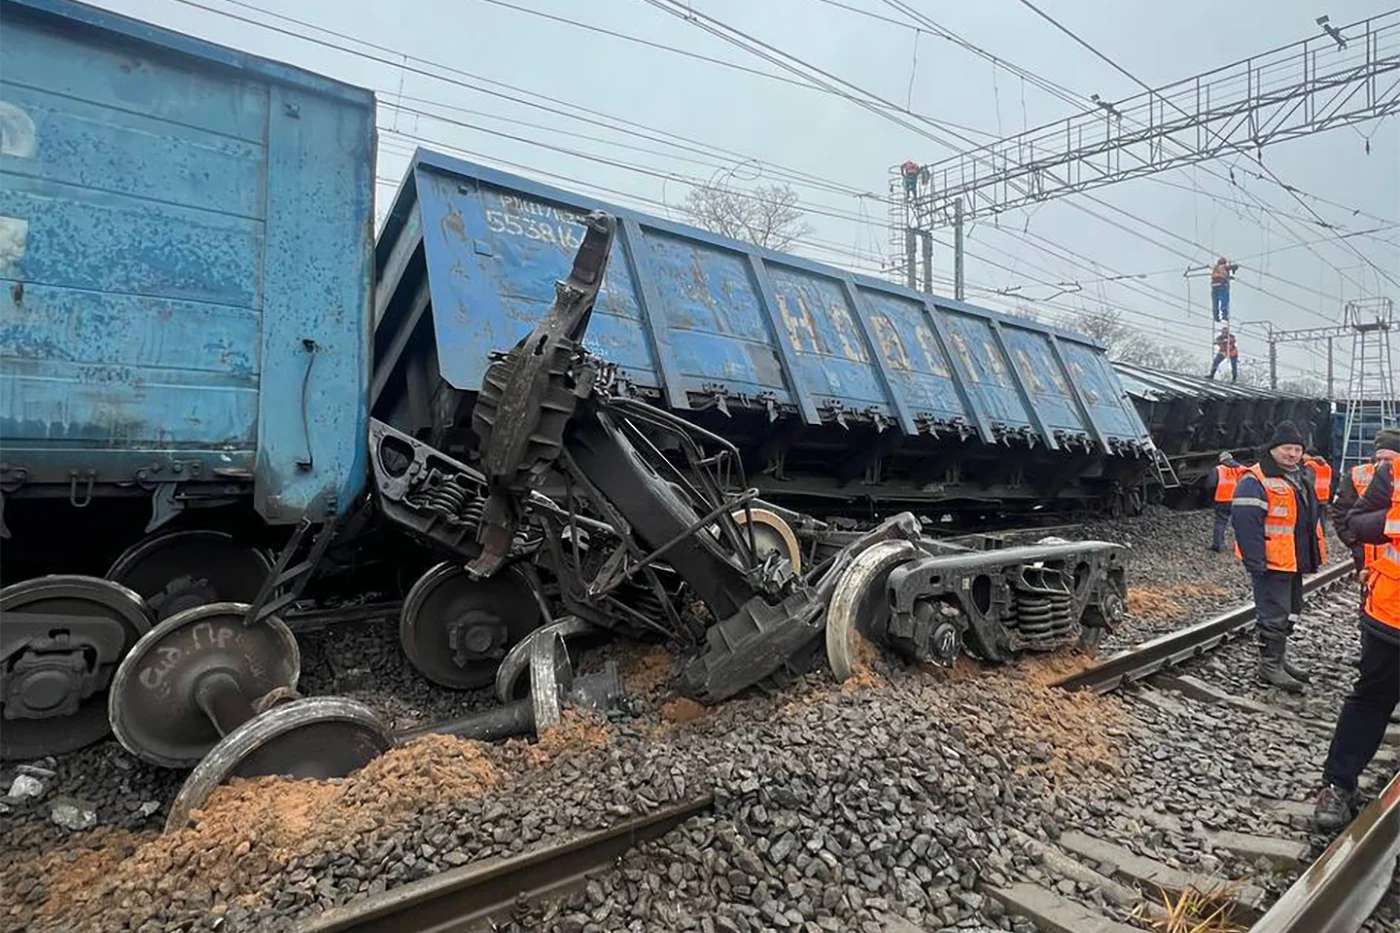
[1322,477]
[1225,479]
[1361,476]
[1383,573]
[1280,545]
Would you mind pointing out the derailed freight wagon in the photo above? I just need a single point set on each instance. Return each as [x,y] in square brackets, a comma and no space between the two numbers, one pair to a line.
[1193,420]
[844,394]
[186,242]
[187,329]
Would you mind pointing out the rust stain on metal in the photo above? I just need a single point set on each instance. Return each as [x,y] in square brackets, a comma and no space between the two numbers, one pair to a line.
[452,223]
[890,344]
[797,325]
[933,356]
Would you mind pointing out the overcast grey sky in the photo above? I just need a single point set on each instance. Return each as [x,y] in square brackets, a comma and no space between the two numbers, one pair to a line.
[782,128]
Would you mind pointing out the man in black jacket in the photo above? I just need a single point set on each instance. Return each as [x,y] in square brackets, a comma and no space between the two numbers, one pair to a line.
[1387,448]
[1366,711]
[1277,522]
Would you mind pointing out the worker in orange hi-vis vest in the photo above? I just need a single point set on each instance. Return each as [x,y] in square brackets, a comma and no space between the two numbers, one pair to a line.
[1374,519]
[1278,537]
[1221,481]
[1225,349]
[1353,486]
[1322,481]
[1220,288]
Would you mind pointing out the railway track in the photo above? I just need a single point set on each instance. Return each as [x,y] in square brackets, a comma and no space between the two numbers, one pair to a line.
[1336,894]
[1167,650]
[810,780]
[475,897]
[1341,888]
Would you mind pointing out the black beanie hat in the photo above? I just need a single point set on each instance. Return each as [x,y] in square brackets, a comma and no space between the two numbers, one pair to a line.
[1388,439]
[1284,433]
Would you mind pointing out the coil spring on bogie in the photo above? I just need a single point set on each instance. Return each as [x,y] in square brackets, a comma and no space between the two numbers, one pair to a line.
[1041,614]
[1044,609]
[450,498]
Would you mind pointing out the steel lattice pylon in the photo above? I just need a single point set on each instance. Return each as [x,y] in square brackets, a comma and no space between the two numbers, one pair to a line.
[1371,396]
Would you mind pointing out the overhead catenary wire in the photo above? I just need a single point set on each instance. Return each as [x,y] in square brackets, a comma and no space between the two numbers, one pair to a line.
[1079,101]
[1264,168]
[744,40]
[397,63]
[921,20]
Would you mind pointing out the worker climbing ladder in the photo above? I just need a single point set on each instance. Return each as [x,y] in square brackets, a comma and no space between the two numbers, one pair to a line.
[1371,395]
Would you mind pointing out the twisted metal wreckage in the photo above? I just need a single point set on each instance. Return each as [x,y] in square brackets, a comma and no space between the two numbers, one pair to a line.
[644,525]
[589,511]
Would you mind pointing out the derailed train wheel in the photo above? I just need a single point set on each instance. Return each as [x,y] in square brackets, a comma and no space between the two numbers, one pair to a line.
[771,534]
[456,630]
[859,604]
[315,737]
[178,570]
[196,677]
[512,677]
[62,639]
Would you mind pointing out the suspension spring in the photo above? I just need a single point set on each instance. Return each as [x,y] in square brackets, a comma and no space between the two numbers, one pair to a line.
[1041,615]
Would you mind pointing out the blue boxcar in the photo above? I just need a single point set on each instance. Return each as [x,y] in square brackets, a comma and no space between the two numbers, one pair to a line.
[703,323]
[186,249]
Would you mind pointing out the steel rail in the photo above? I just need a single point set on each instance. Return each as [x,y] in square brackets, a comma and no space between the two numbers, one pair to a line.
[1339,891]
[463,900]
[1151,656]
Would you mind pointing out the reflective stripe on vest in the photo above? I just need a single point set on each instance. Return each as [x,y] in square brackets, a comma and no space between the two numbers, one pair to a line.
[1225,479]
[1280,519]
[1361,476]
[1383,574]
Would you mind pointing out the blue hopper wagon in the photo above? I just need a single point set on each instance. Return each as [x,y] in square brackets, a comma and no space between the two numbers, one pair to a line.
[204,354]
[845,394]
[186,248]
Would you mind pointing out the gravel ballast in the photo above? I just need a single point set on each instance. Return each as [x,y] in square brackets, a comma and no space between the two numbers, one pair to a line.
[903,795]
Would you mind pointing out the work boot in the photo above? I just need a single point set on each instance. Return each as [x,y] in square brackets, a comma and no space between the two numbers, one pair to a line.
[1332,810]
[1296,673]
[1271,669]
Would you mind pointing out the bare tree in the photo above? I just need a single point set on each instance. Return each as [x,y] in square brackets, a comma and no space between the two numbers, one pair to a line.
[1304,385]
[767,215]
[1131,346]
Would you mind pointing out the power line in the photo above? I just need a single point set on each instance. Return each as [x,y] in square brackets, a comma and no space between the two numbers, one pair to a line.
[572,113]
[722,30]
[1079,101]
[1268,171]
[806,85]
